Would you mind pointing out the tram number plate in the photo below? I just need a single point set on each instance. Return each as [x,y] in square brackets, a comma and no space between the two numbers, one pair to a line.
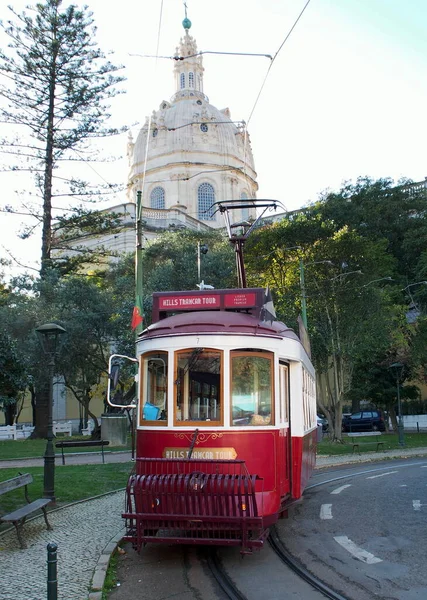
[201,453]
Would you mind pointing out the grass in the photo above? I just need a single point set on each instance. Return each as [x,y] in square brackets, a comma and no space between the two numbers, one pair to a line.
[391,442]
[72,483]
[10,449]
[111,576]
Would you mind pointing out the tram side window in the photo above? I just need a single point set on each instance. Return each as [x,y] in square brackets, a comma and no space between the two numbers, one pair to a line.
[198,385]
[309,399]
[154,387]
[251,388]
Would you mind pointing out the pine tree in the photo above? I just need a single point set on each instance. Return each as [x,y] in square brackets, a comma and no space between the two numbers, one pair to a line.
[56,85]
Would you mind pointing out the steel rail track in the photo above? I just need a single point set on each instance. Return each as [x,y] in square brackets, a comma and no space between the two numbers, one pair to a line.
[283,554]
[221,577]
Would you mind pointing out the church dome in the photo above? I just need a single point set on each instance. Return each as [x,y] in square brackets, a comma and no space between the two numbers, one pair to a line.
[191,143]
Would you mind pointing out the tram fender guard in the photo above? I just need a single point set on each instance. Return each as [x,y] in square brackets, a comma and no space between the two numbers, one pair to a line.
[194,507]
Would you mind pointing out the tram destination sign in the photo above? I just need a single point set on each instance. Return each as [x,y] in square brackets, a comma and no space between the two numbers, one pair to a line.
[206,300]
[246,299]
[201,453]
[189,302]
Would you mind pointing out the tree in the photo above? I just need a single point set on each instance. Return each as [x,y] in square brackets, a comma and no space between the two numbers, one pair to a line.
[350,316]
[13,378]
[382,210]
[89,315]
[56,82]
[170,263]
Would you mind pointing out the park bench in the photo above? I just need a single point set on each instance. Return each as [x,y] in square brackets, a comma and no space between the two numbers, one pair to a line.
[82,444]
[18,517]
[89,429]
[8,432]
[357,442]
[63,428]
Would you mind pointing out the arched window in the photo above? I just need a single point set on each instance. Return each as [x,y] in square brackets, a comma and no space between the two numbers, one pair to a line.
[205,197]
[245,211]
[191,80]
[182,81]
[157,198]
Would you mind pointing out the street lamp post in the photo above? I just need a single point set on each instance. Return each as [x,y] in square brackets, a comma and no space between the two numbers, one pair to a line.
[397,368]
[49,335]
[201,249]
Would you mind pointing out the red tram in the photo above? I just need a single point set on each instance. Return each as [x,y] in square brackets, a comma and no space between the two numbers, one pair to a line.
[226,424]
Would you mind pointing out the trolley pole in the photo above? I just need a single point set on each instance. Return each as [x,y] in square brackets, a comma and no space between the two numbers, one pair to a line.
[52,579]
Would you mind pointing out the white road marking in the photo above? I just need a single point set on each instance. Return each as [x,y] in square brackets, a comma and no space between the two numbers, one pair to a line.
[359,553]
[340,489]
[381,475]
[403,485]
[417,504]
[326,511]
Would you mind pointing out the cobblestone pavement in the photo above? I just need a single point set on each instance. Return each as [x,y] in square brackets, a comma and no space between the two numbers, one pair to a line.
[81,532]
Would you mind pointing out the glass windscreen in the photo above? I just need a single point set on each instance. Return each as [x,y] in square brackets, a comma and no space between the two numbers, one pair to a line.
[198,385]
[154,374]
[251,389]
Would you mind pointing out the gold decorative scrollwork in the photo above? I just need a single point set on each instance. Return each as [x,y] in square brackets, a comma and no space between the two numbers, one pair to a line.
[202,438]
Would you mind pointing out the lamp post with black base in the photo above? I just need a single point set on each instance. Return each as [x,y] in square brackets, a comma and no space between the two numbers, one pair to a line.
[49,335]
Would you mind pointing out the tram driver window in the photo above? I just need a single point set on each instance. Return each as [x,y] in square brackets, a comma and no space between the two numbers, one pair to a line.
[198,385]
[251,388]
[154,387]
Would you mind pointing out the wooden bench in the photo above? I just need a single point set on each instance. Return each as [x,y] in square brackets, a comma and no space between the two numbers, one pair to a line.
[18,517]
[82,444]
[358,443]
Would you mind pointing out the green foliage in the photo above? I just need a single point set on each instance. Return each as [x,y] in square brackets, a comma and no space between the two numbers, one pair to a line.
[348,258]
[56,87]
[13,378]
[170,263]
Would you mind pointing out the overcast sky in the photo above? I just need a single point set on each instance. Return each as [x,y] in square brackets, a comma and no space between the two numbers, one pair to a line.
[345,97]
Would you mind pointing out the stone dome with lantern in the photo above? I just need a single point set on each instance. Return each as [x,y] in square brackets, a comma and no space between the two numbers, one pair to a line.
[196,153]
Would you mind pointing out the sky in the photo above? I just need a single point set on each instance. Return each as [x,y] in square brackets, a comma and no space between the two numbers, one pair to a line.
[345,96]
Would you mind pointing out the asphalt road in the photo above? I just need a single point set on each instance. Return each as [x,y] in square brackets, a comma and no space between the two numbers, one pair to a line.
[363,530]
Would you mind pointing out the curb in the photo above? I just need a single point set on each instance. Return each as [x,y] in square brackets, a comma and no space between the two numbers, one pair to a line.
[101,568]
[327,461]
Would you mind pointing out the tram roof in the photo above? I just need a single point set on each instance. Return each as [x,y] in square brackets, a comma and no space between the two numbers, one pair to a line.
[217,322]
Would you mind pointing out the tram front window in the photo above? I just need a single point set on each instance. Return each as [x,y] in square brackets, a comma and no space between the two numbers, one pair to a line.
[251,388]
[198,385]
[154,386]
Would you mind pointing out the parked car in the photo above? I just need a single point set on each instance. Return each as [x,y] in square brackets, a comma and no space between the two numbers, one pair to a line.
[365,420]
[323,422]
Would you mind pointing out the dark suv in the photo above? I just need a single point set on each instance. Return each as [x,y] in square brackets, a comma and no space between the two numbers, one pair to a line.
[366,420]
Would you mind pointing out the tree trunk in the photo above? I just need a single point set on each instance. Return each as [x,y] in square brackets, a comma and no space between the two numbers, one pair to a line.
[49,160]
[41,403]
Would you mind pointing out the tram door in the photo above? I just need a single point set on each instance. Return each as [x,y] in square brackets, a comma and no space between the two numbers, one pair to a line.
[285,430]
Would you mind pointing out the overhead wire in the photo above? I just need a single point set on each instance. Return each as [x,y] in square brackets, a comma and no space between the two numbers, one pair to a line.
[274,58]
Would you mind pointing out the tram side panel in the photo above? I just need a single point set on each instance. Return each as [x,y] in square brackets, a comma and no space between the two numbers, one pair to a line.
[303,426]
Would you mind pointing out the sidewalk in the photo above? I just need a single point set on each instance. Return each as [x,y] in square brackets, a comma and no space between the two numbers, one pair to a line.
[72,458]
[366,457]
[88,532]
